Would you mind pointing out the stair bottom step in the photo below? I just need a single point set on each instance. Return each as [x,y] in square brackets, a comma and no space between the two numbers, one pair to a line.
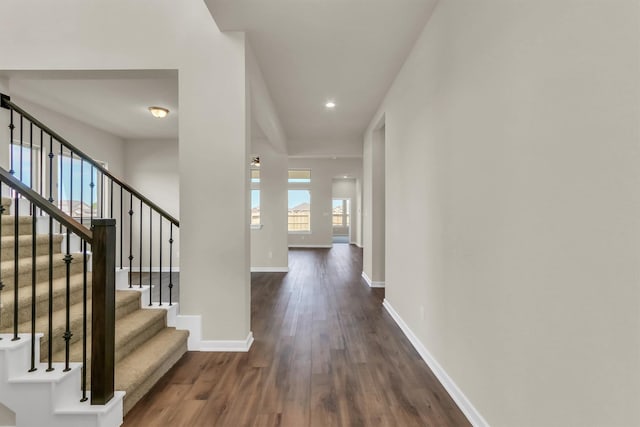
[140,370]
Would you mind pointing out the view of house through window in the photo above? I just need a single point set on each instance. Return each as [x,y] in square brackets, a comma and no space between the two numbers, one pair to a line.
[299,208]
[255,197]
[77,187]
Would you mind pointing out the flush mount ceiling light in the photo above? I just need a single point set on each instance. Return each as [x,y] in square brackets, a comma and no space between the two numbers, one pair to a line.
[159,112]
[330,105]
[255,162]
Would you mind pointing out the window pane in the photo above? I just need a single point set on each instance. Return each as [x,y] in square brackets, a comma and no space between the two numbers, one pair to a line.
[299,217]
[255,207]
[255,175]
[299,176]
[76,194]
[22,164]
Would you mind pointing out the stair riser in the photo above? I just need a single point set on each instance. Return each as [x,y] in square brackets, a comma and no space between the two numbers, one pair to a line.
[24,251]
[42,303]
[24,227]
[42,272]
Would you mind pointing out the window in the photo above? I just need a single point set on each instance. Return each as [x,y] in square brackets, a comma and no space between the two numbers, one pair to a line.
[77,187]
[299,208]
[255,197]
[299,176]
[340,213]
[26,164]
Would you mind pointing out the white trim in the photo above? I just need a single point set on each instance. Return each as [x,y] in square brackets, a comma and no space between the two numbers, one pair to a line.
[472,414]
[269,269]
[153,269]
[312,246]
[193,324]
[256,226]
[234,346]
[371,283]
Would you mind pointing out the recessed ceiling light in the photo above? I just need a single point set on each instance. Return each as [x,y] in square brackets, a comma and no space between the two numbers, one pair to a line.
[159,112]
[330,104]
[345,176]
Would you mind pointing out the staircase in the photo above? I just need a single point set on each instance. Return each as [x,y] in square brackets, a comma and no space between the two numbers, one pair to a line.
[46,308]
[145,347]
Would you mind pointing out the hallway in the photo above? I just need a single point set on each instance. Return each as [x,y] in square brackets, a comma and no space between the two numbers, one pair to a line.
[326,353]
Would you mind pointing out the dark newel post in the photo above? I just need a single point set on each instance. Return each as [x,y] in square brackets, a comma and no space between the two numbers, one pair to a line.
[103,315]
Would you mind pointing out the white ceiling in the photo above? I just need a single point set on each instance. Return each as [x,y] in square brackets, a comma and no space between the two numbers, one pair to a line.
[114,101]
[310,51]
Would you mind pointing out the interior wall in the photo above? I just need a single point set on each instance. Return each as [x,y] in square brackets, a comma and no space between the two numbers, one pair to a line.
[322,173]
[269,250]
[373,253]
[513,228]
[152,168]
[213,124]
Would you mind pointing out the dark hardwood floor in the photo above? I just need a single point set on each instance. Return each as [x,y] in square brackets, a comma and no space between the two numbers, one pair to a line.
[326,353]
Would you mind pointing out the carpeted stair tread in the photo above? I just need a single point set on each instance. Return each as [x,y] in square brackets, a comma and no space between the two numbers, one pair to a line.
[132,331]
[42,269]
[124,300]
[76,287]
[8,224]
[25,243]
[140,370]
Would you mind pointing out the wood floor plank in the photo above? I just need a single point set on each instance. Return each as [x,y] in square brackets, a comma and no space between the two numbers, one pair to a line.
[326,353]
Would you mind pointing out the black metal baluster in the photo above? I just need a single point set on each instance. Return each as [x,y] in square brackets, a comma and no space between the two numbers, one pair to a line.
[16,234]
[33,287]
[51,155]
[11,128]
[21,144]
[84,321]
[31,157]
[130,237]
[81,195]
[101,198]
[110,198]
[50,367]
[140,232]
[150,253]
[67,333]
[160,285]
[50,329]
[41,161]
[60,181]
[92,185]
[121,223]
[71,185]
[1,283]
[170,263]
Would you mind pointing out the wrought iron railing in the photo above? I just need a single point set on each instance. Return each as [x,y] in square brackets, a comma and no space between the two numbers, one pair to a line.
[51,165]
[35,314]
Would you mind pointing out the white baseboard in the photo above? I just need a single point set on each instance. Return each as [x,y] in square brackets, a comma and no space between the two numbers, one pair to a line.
[311,246]
[193,324]
[233,346]
[269,269]
[154,269]
[472,414]
[371,283]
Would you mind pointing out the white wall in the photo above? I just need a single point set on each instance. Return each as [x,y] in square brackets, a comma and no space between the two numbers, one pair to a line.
[322,173]
[513,206]
[98,144]
[269,250]
[74,34]
[152,168]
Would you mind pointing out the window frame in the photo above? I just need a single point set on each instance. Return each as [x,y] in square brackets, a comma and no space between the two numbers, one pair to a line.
[305,185]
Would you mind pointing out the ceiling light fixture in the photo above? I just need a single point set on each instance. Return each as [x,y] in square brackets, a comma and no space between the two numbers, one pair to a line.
[330,104]
[159,112]
[255,162]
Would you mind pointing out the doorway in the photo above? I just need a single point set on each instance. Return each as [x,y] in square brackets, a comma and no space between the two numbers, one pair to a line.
[341,221]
